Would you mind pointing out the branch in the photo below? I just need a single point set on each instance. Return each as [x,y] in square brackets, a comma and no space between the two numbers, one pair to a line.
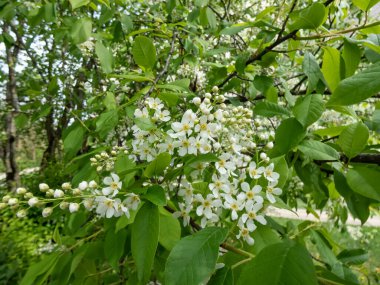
[256,57]
[337,33]
[370,158]
[166,66]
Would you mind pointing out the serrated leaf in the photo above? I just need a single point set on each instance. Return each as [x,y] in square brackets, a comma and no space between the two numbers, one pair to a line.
[144,52]
[81,30]
[309,109]
[285,263]
[158,165]
[78,3]
[156,195]
[351,55]
[365,5]
[309,18]
[353,139]
[311,68]
[105,57]
[350,90]
[269,109]
[144,241]
[193,258]
[331,67]
[318,151]
[114,247]
[364,181]
[170,230]
[144,124]
[288,135]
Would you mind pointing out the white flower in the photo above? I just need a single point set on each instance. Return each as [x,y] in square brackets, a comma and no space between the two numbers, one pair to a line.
[206,205]
[21,214]
[244,233]
[205,129]
[183,213]
[269,174]
[271,190]
[154,103]
[47,212]
[106,206]
[186,146]
[250,194]
[141,114]
[33,201]
[234,205]
[254,172]
[163,116]
[73,207]
[186,191]
[43,187]
[219,184]
[223,165]
[167,146]
[58,193]
[114,185]
[251,215]
[132,201]
[83,185]
[89,203]
[211,220]
[185,127]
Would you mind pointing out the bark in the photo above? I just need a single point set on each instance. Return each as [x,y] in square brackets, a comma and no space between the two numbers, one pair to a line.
[11,100]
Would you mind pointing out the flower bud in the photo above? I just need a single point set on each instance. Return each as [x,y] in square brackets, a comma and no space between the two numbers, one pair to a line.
[208,95]
[270,145]
[66,186]
[263,155]
[197,101]
[64,205]
[83,185]
[215,89]
[73,207]
[12,201]
[43,187]
[28,195]
[47,212]
[3,206]
[92,184]
[58,193]
[6,198]
[33,201]
[21,214]
[50,193]
[77,192]
[20,190]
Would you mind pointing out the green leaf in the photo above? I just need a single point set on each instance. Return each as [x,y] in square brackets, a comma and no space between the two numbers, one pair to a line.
[353,139]
[365,181]
[78,3]
[73,141]
[144,52]
[156,195]
[285,263]
[193,258]
[124,221]
[309,109]
[351,55]
[170,230]
[309,18]
[353,256]
[132,77]
[105,57]
[211,18]
[357,204]
[331,67]
[40,270]
[158,165]
[144,124]
[81,30]
[311,68]
[222,276]
[318,151]
[365,5]
[269,109]
[110,101]
[170,98]
[350,90]
[281,167]
[288,135]
[235,29]
[264,236]
[145,231]
[114,247]
[107,122]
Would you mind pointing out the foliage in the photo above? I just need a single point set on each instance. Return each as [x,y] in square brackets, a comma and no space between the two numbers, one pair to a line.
[180,124]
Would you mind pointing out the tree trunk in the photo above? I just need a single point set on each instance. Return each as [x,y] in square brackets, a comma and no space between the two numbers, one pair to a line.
[11,100]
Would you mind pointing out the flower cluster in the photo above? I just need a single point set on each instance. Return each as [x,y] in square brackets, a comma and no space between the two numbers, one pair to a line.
[223,175]
[104,201]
